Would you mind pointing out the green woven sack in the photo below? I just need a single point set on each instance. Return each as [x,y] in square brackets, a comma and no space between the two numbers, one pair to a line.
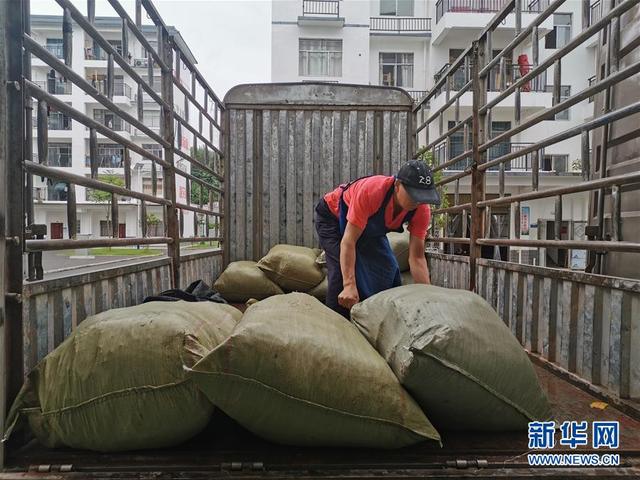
[400,245]
[292,267]
[297,373]
[456,357]
[118,381]
[243,280]
[320,290]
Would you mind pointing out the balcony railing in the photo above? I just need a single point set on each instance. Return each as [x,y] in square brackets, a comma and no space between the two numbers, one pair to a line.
[55,87]
[444,152]
[55,121]
[512,71]
[120,89]
[329,8]
[595,12]
[392,24]
[484,6]
[107,161]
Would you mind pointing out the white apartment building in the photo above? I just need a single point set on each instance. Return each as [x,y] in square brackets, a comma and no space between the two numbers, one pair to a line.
[410,43]
[69,140]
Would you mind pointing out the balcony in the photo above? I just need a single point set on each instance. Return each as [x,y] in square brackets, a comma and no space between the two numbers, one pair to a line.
[321,13]
[120,89]
[534,94]
[55,121]
[406,26]
[55,87]
[107,160]
[445,152]
[455,14]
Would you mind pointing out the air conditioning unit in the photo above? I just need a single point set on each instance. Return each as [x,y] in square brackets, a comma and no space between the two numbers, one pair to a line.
[140,62]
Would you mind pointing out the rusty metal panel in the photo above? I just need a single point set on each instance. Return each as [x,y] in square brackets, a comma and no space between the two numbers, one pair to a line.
[313,137]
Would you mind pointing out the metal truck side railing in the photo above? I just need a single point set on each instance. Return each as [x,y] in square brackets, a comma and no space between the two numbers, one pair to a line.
[189,108]
[478,139]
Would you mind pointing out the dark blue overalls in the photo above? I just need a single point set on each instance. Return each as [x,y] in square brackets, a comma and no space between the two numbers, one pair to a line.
[376,267]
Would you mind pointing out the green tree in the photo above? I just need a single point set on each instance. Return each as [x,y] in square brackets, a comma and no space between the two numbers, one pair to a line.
[440,218]
[200,194]
[100,196]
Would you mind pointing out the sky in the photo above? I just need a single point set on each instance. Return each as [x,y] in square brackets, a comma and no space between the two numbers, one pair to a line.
[230,39]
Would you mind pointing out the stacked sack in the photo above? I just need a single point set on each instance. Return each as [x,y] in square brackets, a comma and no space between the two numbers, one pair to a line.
[291,268]
[286,268]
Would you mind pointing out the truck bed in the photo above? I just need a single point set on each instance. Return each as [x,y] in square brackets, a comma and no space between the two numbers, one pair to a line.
[226,449]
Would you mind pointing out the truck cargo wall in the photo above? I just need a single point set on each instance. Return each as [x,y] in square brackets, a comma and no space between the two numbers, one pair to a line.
[584,324]
[288,144]
[53,308]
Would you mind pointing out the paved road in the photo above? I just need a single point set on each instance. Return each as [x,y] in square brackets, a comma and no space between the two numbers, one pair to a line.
[58,264]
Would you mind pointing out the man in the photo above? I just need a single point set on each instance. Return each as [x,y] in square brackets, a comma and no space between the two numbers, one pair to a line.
[352,222]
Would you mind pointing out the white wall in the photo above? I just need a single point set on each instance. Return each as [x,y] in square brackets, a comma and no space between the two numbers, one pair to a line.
[355,52]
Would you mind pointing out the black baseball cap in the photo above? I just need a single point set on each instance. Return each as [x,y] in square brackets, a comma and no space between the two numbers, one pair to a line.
[417,179]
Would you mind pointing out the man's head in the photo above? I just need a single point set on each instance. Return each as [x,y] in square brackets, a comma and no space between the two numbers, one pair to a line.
[415,185]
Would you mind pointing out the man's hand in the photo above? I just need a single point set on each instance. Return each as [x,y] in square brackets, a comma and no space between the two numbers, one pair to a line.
[349,297]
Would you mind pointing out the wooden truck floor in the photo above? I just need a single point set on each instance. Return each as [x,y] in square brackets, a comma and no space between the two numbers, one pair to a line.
[227,450]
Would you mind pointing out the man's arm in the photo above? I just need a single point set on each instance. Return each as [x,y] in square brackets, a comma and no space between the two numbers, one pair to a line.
[417,260]
[349,295]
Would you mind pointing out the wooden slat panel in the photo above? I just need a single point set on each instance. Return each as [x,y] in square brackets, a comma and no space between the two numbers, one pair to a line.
[299,171]
[386,142]
[274,183]
[353,150]
[614,343]
[337,149]
[266,181]
[626,345]
[345,171]
[544,328]
[283,150]
[326,153]
[241,186]
[605,322]
[369,142]
[248,184]
[232,195]
[587,309]
[404,153]
[291,193]
[307,221]
[361,136]
[395,143]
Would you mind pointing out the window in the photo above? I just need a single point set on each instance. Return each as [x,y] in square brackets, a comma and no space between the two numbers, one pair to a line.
[59,155]
[54,45]
[154,148]
[555,163]
[396,69]
[565,92]
[400,8]
[110,155]
[320,57]
[147,186]
[78,225]
[561,33]
[151,118]
[456,147]
[110,120]
[105,228]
